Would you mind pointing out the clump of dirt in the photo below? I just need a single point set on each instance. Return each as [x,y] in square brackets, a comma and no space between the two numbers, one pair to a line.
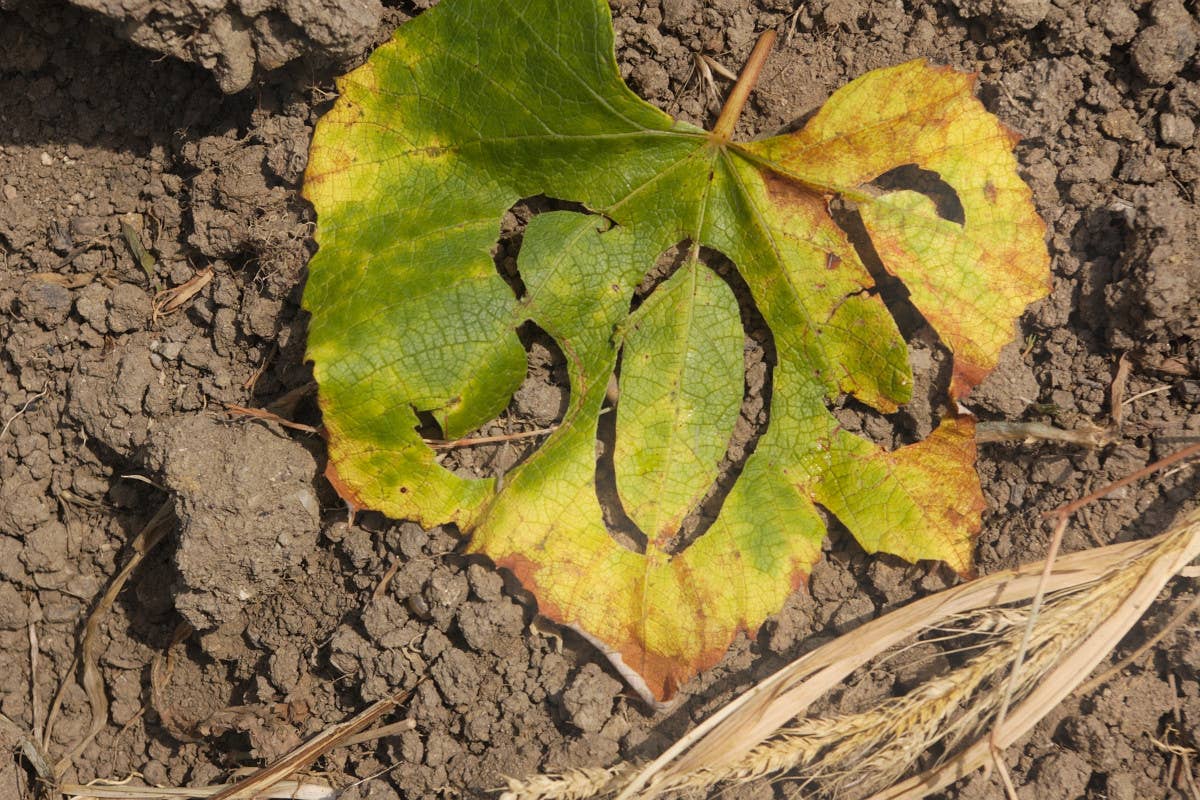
[109,409]
[248,513]
[235,39]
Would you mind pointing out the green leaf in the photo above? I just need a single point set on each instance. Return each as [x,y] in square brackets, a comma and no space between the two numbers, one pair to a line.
[680,390]
[475,105]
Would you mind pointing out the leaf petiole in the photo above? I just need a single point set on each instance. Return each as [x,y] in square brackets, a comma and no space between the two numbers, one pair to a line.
[722,132]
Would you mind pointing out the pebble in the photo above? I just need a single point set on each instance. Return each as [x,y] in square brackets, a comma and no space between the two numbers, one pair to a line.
[1176,130]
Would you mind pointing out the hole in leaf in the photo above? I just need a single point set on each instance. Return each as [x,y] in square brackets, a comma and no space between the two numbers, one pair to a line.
[758,361]
[928,357]
[427,425]
[538,404]
[512,232]
[621,528]
[928,183]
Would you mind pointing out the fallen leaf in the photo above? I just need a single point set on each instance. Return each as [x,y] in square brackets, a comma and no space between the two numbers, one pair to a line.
[475,105]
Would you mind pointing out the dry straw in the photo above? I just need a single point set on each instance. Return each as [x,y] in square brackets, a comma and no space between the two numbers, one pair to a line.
[1092,599]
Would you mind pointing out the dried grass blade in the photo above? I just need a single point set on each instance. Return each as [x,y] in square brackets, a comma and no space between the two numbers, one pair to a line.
[30,746]
[143,257]
[725,739]
[268,416]
[284,790]
[262,780]
[1172,551]
[149,536]
[172,299]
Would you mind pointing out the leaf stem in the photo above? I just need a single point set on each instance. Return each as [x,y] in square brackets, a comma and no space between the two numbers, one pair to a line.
[732,110]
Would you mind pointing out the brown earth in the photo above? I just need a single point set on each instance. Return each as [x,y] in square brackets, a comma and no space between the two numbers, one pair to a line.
[108,411]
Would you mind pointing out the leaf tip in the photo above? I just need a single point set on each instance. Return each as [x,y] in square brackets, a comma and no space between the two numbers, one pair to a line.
[343,488]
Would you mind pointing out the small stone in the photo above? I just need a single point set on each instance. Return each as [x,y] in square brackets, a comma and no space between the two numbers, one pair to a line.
[444,593]
[23,507]
[1143,168]
[168,350]
[440,748]
[128,308]
[14,611]
[413,540]
[456,675]
[285,667]
[46,160]
[1119,21]
[651,78]
[1121,124]
[48,303]
[1185,100]
[1161,50]
[491,627]
[679,12]
[588,700]
[91,305]
[46,548]
[1061,774]
[85,227]
[485,583]
[1120,786]
[1006,15]
[1055,471]
[10,192]
[1175,130]
[1189,392]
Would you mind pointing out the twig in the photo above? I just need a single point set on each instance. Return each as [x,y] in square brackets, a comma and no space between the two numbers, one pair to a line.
[35,695]
[1010,790]
[386,580]
[149,536]
[80,249]
[263,779]
[1146,646]
[1091,601]
[717,67]
[1090,436]
[250,382]
[438,444]
[284,790]
[1001,431]
[1185,754]
[173,299]
[379,772]
[23,409]
[708,86]
[263,414]
[161,669]
[391,729]
[1116,392]
[1014,674]
[792,20]
[1149,469]
[740,93]
[1062,515]
[286,403]
[1147,393]
[33,750]
[1094,597]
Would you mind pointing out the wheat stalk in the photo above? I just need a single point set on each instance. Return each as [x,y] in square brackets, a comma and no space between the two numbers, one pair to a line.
[1094,598]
